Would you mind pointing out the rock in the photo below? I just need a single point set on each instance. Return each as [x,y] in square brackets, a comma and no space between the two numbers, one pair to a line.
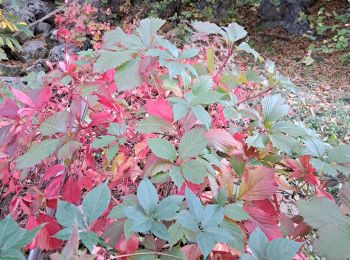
[288,14]
[28,10]
[43,28]
[9,69]
[34,49]
[12,81]
[57,53]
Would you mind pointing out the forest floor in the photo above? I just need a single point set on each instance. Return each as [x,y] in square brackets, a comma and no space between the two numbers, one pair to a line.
[325,83]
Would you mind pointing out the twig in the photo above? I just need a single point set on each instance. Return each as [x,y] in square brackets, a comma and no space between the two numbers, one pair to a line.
[148,253]
[59,9]
[255,96]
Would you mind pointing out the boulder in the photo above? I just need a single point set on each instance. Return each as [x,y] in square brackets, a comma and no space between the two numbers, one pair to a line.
[10,69]
[27,10]
[290,14]
[43,28]
[34,49]
[58,52]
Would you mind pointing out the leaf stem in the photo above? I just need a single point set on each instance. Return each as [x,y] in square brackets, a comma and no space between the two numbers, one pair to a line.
[149,253]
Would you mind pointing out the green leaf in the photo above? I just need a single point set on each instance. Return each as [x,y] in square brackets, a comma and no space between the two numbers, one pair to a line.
[236,232]
[117,129]
[57,123]
[176,176]
[122,75]
[333,227]
[68,213]
[102,141]
[167,208]
[194,205]
[284,143]
[235,212]
[235,32]
[175,251]
[159,229]
[162,148]
[64,234]
[148,27]
[192,144]
[130,41]
[205,242]
[339,154]
[274,108]
[89,239]
[140,222]
[290,128]
[208,28]
[154,124]
[37,152]
[187,220]
[13,238]
[257,243]
[67,150]
[194,171]
[112,151]
[257,140]
[180,110]
[176,233]
[111,59]
[282,249]
[323,167]
[147,195]
[315,147]
[96,202]
[213,215]
[202,115]
[246,47]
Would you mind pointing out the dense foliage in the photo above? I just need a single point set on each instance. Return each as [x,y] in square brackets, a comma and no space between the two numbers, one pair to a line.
[142,149]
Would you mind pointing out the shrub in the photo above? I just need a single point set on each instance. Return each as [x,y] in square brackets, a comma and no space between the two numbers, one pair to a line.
[143,149]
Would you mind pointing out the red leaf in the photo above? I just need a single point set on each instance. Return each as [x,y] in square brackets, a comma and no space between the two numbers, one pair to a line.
[54,188]
[44,239]
[161,108]
[191,252]
[22,97]
[71,191]
[223,141]
[9,109]
[264,219]
[257,184]
[44,97]
[127,246]
[52,172]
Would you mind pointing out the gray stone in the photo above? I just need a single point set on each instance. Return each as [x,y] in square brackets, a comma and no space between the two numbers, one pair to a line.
[287,14]
[34,49]
[10,69]
[12,81]
[57,53]
[28,10]
[43,28]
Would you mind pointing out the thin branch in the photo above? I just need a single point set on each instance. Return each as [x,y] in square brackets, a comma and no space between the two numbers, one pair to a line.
[148,253]
[59,9]
[255,96]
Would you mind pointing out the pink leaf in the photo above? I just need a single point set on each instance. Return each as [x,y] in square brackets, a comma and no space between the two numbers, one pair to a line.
[9,109]
[222,140]
[52,172]
[161,108]
[71,191]
[44,239]
[54,188]
[257,184]
[262,216]
[22,97]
